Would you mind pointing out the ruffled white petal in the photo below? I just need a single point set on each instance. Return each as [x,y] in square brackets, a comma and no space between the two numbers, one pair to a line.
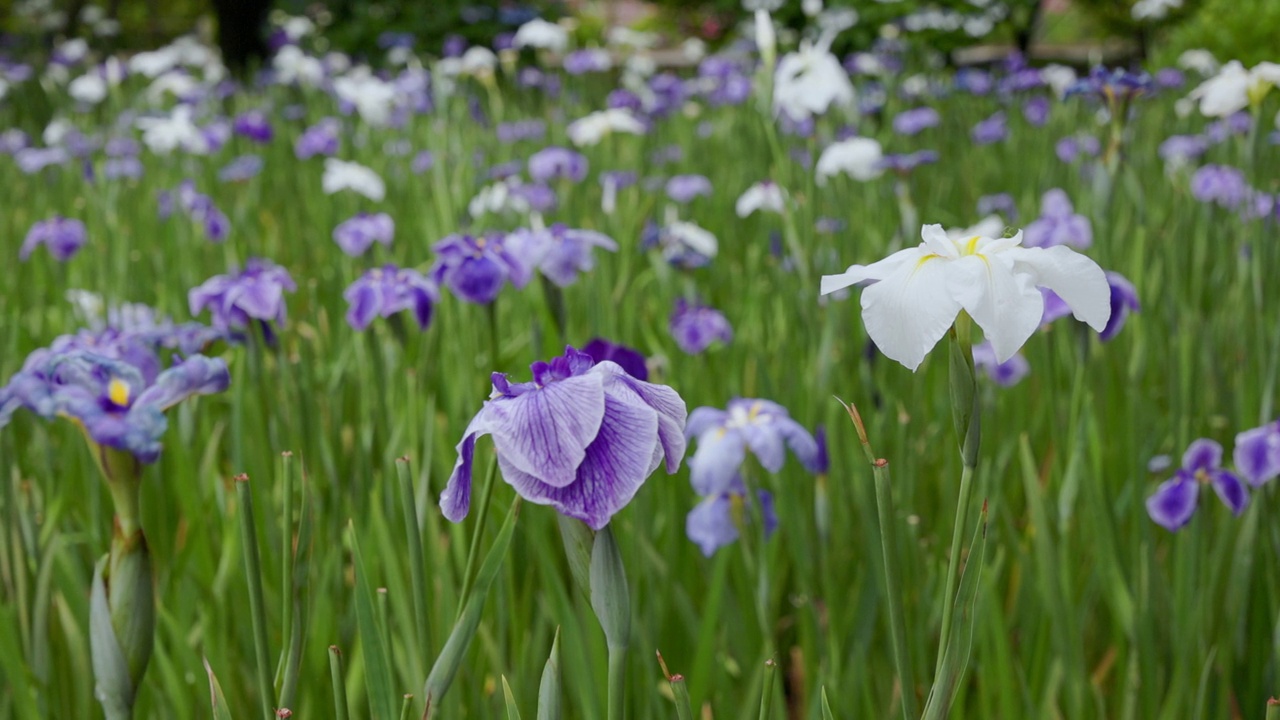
[1074,277]
[909,311]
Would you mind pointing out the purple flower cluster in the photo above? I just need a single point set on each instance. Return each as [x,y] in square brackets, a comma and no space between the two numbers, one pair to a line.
[388,290]
[61,236]
[243,297]
[559,252]
[475,267]
[696,327]
[1256,459]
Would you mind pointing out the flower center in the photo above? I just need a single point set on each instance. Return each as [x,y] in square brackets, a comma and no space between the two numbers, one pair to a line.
[118,392]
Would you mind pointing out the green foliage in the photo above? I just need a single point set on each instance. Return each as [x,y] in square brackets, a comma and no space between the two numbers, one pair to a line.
[1243,30]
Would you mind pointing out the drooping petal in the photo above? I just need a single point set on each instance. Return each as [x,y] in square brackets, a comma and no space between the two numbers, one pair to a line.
[710,524]
[197,375]
[615,466]
[1230,490]
[1202,454]
[455,501]
[1074,277]
[1257,454]
[878,270]
[666,402]
[1174,502]
[1006,305]
[545,433]
[803,444]
[717,461]
[908,312]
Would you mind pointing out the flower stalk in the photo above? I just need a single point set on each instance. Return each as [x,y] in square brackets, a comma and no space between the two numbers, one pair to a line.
[611,601]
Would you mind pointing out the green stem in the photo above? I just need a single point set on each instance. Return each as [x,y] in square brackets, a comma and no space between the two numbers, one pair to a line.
[617,681]
[340,710]
[766,694]
[893,587]
[477,535]
[416,565]
[953,563]
[286,574]
[257,605]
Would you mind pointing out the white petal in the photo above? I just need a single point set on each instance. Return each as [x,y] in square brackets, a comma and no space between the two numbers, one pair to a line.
[1074,277]
[878,270]
[1007,306]
[938,241]
[907,313]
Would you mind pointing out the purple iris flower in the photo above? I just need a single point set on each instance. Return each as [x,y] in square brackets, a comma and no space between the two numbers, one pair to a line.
[580,62]
[385,291]
[724,81]
[1257,453]
[33,159]
[559,252]
[992,130]
[557,162]
[998,203]
[1124,300]
[253,125]
[319,139]
[62,236]
[540,198]
[1182,149]
[13,140]
[357,233]
[1005,374]
[683,188]
[903,163]
[1222,185]
[1114,85]
[422,162]
[510,132]
[1069,149]
[667,94]
[241,169]
[724,437]
[453,46]
[122,167]
[504,170]
[912,122]
[625,99]
[109,398]
[1058,224]
[122,147]
[711,523]
[695,327]
[1174,502]
[474,267]
[1036,111]
[974,81]
[236,299]
[630,360]
[581,437]
[1170,78]
[199,208]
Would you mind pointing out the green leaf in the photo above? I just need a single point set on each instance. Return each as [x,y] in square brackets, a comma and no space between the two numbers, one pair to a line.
[610,597]
[826,707]
[382,694]
[217,700]
[549,687]
[513,712]
[578,539]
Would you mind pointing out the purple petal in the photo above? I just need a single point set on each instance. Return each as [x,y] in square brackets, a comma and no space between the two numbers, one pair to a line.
[1230,490]
[717,461]
[1202,454]
[455,501]
[666,402]
[710,524]
[1257,454]
[1174,502]
[703,419]
[545,433]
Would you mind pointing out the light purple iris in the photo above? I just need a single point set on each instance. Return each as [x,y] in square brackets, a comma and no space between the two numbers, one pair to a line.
[557,162]
[683,188]
[319,139]
[696,327]
[1169,78]
[1036,111]
[1221,185]
[240,169]
[422,162]
[1001,203]
[904,163]
[724,437]
[357,233]
[1257,453]
[724,81]
[992,130]
[711,524]
[1182,149]
[242,297]
[253,125]
[1058,224]
[1070,149]
[559,252]
[974,81]
[627,358]
[1005,374]
[62,236]
[581,437]
[110,398]
[475,267]
[388,290]
[13,140]
[1174,502]
[128,167]
[915,120]
[539,197]
[580,62]
[510,132]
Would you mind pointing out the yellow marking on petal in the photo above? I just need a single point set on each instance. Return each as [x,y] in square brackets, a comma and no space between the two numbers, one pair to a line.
[118,392]
[920,263]
[972,245]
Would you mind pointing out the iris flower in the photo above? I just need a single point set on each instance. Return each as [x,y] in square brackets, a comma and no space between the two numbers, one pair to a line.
[1233,89]
[475,267]
[255,293]
[764,195]
[696,327]
[385,291]
[559,252]
[918,292]
[724,437]
[581,437]
[62,236]
[1257,453]
[356,234]
[1174,502]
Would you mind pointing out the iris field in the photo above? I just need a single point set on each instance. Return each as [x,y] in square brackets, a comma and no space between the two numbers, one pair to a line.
[297,549]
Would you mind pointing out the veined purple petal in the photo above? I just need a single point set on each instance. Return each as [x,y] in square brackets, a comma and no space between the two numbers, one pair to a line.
[1174,502]
[1202,454]
[455,501]
[545,433]
[1257,454]
[668,404]
[1230,490]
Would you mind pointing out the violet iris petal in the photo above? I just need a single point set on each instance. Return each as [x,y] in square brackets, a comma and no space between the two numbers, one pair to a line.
[696,327]
[626,358]
[724,436]
[1174,501]
[1257,453]
[356,234]
[235,299]
[1058,224]
[385,291]
[559,252]
[1124,300]
[63,237]
[557,162]
[475,268]
[710,523]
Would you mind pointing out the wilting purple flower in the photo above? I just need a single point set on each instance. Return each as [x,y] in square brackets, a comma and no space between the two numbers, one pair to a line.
[357,233]
[243,296]
[1036,110]
[628,359]
[385,291]
[1222,185]
[1124,300]
[1005,374]
[474,267]
[1257,453]
[724,437]
[711,523]
[903,163]
[991,130]
[559,252]
[1058,224]
[1174,502]
[683,188]
[253,125]
[109,398]
[580,62]
[998,203]
[695,327]
[913,121]
[557,162]
[241,169]
[319,139]
[62,236]
[581,437]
